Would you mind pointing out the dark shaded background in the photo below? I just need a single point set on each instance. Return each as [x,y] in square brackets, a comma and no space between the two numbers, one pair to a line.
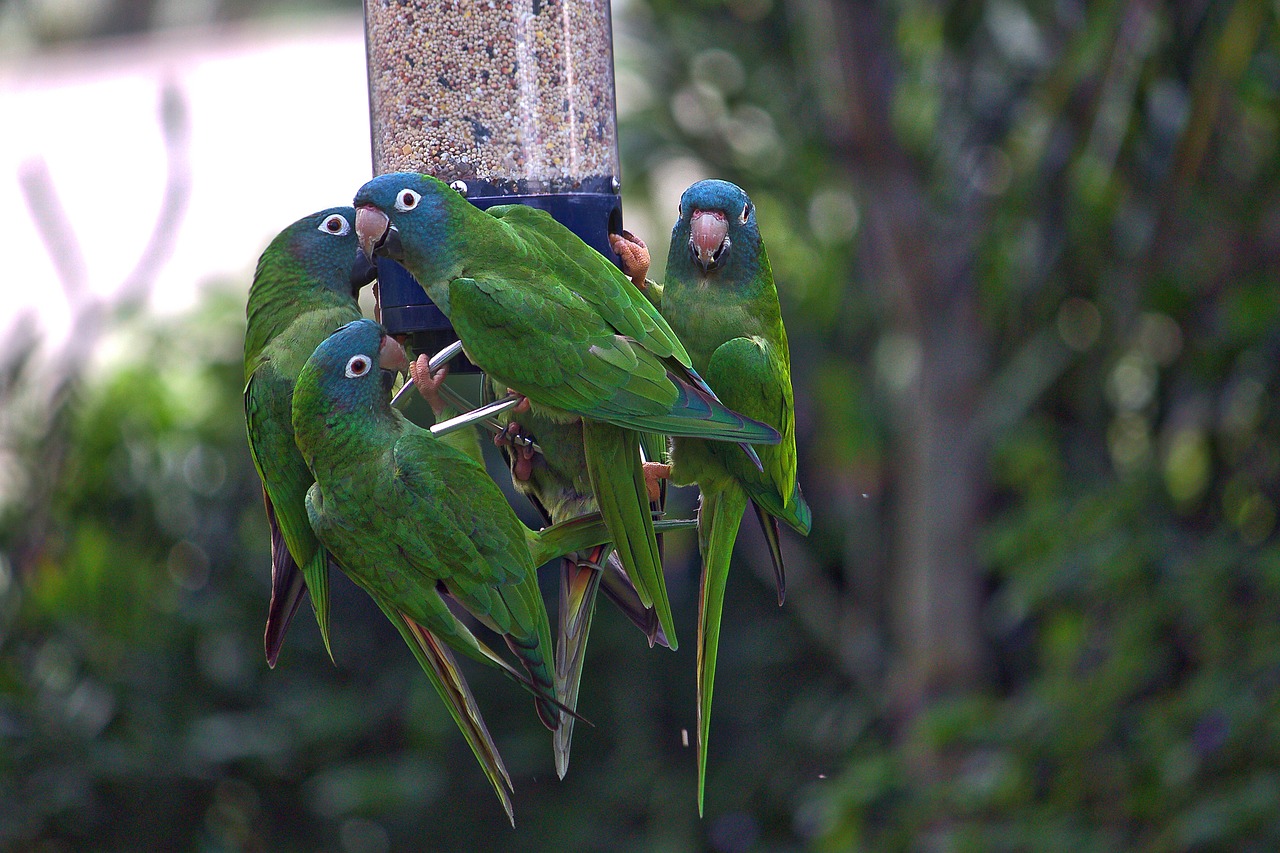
[1028,256]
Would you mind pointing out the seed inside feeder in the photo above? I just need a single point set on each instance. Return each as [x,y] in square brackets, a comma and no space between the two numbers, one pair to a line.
[517,94]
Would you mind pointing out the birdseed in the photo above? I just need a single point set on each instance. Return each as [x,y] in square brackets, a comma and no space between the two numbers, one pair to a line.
[518,93]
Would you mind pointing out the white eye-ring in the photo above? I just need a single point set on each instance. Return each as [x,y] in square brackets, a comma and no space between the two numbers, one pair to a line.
[407,200]
[746,212]
[357,366]
[335,224]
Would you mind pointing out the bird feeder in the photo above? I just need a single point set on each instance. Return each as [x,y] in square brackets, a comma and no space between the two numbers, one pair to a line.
[508,101]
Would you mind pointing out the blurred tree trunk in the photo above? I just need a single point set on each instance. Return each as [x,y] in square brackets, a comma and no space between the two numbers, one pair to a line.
[921,258]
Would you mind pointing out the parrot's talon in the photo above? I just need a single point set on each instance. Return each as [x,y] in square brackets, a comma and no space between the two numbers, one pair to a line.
[653,472]
[634,254]
[522,450]
[428,382]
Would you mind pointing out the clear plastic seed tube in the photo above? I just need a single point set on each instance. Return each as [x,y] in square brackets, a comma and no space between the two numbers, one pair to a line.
[514,97]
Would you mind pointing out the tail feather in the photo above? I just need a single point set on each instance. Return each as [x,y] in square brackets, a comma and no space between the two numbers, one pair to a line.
[718,521]
[619,589]
[613,463]
[442,671]
[579,582]
[654,447]
[530,652]
[287,587]
[316,572]
[769,526]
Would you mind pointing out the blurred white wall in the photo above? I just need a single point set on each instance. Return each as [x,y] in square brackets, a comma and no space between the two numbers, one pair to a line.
[279,128]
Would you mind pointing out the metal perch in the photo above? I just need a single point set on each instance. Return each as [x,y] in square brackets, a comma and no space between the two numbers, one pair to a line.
[483,414]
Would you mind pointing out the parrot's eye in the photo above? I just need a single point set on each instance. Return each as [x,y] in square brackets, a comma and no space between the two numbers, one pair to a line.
[407,200]
[336,224]
[746,212]
[358,366]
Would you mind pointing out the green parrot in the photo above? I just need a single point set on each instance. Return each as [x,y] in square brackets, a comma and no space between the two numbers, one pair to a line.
[305,286]
[720,298]
[542,313]
[556,482]
[410,518]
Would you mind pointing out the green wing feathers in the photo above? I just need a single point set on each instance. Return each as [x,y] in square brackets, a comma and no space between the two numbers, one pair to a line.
[316,574]
[752,377]
[556,351]
[587,274]
[613,462]
[530,641]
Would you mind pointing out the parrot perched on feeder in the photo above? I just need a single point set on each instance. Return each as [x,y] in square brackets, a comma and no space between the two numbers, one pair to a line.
[542,313]
[305,286]
[719,297]
[410,518]
[556,482]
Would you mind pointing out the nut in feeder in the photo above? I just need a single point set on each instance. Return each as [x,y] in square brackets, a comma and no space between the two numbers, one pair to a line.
[509,101]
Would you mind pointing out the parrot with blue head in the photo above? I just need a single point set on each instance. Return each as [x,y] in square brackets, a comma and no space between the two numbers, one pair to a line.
[412,519]
[305,286]
[719,296]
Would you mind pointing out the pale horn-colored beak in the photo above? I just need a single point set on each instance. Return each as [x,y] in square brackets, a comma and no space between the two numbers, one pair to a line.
[391,355]
[371,228]
[708,237]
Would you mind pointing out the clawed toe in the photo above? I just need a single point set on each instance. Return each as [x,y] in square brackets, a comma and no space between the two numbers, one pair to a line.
[634,254]
[521,449]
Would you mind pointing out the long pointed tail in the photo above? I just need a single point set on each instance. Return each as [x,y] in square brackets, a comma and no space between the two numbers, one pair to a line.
[539,680]
[773,538]
[287,587]
[619,589]
[528,636]
[442,671]
[579,581]
[316,571]
[718,521]
[613,463]
[529,649]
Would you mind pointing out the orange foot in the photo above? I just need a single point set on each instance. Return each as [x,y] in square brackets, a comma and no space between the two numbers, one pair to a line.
[653,472]
[429,383]
[634,254]
[521,450]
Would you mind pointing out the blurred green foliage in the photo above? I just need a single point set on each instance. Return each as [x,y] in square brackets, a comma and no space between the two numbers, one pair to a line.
[1107,176]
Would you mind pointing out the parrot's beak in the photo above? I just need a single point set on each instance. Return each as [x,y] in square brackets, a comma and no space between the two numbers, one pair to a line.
[362,272]
[391,355]
[708,238]
[374,231]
